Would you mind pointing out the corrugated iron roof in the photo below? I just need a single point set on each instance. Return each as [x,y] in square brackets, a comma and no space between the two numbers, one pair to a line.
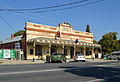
[17,38]
[61,41]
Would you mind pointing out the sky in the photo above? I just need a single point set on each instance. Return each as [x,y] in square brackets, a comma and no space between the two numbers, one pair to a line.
[103,17]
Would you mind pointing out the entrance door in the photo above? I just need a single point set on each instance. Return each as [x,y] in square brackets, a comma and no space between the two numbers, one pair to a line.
[53,49]
[38,51]
[71,52]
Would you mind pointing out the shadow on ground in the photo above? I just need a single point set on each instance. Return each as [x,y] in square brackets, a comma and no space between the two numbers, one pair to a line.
[108,74]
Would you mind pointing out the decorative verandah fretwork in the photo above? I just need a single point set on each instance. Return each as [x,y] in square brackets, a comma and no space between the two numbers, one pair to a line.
[63,43]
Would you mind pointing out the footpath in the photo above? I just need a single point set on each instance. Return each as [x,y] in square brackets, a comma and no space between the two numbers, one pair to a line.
[6,61]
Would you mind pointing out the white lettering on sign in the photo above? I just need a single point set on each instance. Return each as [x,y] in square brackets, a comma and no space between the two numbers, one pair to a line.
[0,51]
[17,45]
[66,29]
[6,53]
[44,33]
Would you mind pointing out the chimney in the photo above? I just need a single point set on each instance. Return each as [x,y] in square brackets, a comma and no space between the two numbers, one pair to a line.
[12,36]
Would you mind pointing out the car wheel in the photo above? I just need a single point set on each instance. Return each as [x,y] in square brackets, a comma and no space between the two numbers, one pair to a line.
[62,61]
[52,61]
[118,58]
[83,61]
[65,61]
[110,59]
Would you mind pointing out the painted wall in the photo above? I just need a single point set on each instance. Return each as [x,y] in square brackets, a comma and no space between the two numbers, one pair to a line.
[66,32]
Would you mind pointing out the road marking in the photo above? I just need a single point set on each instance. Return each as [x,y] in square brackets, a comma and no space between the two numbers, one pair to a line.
[105,65]
[36,71]
[95,80]
[50,70]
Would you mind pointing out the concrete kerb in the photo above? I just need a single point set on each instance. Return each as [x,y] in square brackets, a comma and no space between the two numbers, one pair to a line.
[21,61]
[44,61]
[92,60]
[99,60]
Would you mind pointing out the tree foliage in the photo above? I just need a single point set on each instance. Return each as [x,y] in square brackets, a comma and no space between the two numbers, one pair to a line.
[95,42]
[88,28]
[109,42]
[20,32]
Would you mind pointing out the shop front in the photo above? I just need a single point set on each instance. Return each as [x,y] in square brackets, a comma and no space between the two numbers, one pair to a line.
[41,47]
[43,40]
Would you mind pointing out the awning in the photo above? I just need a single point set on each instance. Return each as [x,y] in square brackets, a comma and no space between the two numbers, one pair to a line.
[59,41]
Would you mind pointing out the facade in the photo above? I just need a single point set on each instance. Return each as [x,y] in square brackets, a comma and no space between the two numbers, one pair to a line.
[42,40]
[12,48]
[12,43]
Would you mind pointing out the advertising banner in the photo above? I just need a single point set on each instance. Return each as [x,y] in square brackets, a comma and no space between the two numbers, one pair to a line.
[12,53]
[7,53]
[1,53]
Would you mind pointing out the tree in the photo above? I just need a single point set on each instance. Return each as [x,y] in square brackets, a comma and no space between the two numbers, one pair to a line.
[95,42]
[20,32]
[109,42]
[88,28]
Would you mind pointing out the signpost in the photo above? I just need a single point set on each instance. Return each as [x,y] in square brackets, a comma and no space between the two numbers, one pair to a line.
[7,53]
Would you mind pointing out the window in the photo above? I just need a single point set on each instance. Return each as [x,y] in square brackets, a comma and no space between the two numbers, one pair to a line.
[88,52]
[65,51]
[31,51]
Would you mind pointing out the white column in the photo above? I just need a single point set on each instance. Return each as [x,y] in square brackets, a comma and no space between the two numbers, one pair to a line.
[49,49]
[74,50]
[63,48]
[93,54]
[33,51]
[84,51]
[49,53]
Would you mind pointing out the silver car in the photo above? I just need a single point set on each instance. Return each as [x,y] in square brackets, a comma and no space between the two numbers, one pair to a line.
[114,55]
[79,57]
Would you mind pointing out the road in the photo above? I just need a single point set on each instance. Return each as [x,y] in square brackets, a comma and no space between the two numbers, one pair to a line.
[62,72]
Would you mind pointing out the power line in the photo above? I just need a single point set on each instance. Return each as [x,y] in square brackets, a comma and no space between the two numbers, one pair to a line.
[7,23]
[69,7]
[66,8]
[49,7]
[50,10]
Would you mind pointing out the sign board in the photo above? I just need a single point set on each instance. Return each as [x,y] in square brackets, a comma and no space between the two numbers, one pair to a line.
[1,53]
[17,45]
[12,54]
[7,53]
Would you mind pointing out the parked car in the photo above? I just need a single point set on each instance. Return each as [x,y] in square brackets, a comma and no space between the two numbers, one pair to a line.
[114,55]
[58,57]
[79,57]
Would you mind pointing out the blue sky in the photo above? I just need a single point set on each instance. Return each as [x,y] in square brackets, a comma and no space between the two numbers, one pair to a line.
[103,17]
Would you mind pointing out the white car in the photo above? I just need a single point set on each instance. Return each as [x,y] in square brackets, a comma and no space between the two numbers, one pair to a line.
[79,57]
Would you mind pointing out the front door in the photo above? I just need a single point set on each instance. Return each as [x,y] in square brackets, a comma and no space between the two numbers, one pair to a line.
[53,49]
[71,52]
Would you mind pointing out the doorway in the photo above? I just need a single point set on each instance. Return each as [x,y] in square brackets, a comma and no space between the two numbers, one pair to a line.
[53,49]
[71,52]
[38,51]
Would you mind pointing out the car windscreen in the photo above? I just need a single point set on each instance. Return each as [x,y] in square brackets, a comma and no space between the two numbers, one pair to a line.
[79,54]
[55,54]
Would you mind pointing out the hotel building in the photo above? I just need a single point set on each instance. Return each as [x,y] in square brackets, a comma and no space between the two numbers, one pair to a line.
[42,40]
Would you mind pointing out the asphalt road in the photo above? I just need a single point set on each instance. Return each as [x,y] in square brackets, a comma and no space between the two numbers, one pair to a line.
[62,72]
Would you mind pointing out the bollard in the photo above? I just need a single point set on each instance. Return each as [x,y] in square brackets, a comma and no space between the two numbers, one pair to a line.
[33,59]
